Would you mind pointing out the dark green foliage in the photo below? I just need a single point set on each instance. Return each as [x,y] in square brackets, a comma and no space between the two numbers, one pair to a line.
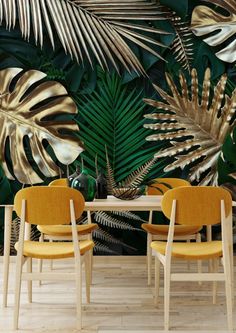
[227,160]
[110,110]
[112,117]
[6,197]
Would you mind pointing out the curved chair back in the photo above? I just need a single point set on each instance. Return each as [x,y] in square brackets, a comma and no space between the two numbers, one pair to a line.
[197,205]
[59,182]
[164,184]
[49,205]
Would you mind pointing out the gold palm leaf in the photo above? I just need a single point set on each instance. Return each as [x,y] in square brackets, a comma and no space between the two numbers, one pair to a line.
[84,26]
[196,128]
[207,21]
[28,107]
[182,45]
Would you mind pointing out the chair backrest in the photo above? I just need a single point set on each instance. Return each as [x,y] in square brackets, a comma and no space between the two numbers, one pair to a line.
[59,182]
[164,184]
[49,205]
[197,205]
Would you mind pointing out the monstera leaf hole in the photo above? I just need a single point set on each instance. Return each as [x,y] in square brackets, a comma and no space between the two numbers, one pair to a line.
[34,111]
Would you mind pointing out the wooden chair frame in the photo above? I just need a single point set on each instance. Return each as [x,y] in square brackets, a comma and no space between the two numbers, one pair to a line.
[150,237]
[226,276]
[63,182]
[51,276]
[150,254]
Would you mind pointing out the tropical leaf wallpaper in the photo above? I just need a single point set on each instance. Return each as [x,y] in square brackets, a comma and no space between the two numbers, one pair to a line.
[130,82]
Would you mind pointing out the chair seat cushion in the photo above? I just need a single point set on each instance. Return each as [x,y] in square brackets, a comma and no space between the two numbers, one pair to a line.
[53,250]
[65,230]
[191,251]
[180,230]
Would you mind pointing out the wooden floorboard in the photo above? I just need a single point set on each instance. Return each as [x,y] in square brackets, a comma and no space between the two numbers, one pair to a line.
[121,302]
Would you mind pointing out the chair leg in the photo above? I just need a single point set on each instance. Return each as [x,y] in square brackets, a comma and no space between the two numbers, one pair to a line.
[149,258]
[166,298]
[90,265]
[157,279]
[188,261]
[6,257]
[29,283]
[215,270]
[50,261]
[40,268]
[87,276]
[17,292]
[228,292]
[40,261]
[78,280]
[199,262]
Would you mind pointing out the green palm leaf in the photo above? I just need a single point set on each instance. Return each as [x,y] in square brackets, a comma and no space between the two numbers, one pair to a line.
[112,117]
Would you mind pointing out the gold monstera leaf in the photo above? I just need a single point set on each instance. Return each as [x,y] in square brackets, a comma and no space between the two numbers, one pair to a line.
[29,111]
[196,127]
[207,21]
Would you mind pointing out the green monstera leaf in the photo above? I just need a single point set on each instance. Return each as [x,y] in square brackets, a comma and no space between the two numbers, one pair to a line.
[5,198]
[227,160]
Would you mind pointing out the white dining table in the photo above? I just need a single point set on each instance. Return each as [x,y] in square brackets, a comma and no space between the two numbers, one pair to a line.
[143,203]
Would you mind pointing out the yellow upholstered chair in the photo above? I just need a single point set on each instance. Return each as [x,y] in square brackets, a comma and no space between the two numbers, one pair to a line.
[40,205]
[196,206]
[63,232]
[59,182]
[160,232]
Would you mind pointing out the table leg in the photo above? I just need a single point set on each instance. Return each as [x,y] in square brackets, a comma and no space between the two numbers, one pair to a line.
[6,257]
[90,255]
[149,252]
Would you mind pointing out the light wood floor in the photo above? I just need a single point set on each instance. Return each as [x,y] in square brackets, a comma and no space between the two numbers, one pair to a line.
[121,302]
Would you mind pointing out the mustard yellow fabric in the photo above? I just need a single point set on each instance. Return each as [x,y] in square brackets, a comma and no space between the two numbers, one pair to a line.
[180,230]
[197,205]
[47,205]
[65,230]
[59,182]
[191,251]
[53,250]
[173,182]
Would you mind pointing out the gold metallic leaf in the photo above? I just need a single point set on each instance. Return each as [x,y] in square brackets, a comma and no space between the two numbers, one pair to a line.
[101,27]
[207,21]
[28,107]
[195,126]
[182,45]
[130,187]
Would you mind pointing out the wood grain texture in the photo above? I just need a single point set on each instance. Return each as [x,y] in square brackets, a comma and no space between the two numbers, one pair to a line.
[121,302]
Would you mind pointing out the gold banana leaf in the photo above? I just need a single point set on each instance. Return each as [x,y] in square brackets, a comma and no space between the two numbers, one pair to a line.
[195,126]
[221,27]
[101,27]
[28,107]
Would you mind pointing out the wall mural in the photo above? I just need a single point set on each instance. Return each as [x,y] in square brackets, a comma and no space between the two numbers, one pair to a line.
[206,20]
[26,111]
[195,125]
[148,80]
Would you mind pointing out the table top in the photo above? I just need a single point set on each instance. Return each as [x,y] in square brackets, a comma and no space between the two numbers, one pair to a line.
[143,203]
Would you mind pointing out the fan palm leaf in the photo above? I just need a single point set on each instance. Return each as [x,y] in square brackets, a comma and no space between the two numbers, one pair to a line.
[195,128]
[84,27]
